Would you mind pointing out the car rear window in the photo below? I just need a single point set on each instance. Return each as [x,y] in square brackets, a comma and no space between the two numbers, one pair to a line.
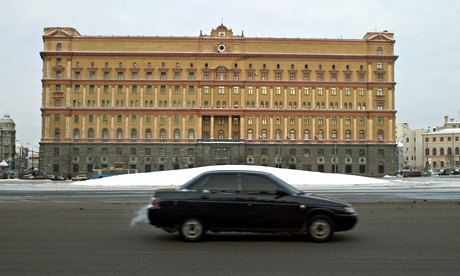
[221,183]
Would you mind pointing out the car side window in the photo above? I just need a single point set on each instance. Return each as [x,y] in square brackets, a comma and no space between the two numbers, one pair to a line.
[259,184]
[227,183]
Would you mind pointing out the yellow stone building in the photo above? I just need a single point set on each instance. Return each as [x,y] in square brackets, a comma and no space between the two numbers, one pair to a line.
[151,103]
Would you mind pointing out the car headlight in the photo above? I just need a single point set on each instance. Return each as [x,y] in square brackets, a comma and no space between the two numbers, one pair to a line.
[349,209]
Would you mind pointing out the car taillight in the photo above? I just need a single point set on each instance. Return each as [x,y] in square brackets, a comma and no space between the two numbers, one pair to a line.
[155,202]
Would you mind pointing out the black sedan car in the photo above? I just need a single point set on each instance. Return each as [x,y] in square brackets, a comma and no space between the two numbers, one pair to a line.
[247,201]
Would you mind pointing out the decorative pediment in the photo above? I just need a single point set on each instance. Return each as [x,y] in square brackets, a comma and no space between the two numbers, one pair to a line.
[61,32]
[379,36]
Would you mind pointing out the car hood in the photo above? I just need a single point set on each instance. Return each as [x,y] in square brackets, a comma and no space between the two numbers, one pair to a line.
[323,200]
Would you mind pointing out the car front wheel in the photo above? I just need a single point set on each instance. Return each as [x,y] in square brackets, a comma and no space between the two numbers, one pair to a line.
[192,230]
[320,228]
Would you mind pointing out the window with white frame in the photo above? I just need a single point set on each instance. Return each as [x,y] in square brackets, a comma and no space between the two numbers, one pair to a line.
[334,91]
[320,120]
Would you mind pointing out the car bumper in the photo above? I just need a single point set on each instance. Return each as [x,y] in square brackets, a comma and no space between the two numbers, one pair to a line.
[345,222]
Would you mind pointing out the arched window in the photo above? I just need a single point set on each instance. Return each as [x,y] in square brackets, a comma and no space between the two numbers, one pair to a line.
[427,151]
[348,135]
[133,133]
[449,151]
[122,103]
[306,134]
[263,134]
[250,134]
[90,133]
[162,134]
[105,134]
[220,134]
[176,134]
[457,151]
[380,135]
[160,104]
[76,133]
[292,134]
[278,134]
[59,47]
[193,104]
[435,152]
[441,151]
[379,51]
[119,134]
[361,135]
[148,134]
[224,104]
[218,104]
[320,135]
[206,104]
[334,135]
[191,134]
[57,133]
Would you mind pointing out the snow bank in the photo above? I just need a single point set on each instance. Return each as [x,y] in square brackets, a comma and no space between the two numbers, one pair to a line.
[173,178]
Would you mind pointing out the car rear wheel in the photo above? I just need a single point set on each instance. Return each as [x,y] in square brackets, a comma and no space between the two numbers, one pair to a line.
[320,228]
[192,230]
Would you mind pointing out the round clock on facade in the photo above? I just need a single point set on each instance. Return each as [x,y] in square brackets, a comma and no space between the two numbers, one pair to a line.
[221,48]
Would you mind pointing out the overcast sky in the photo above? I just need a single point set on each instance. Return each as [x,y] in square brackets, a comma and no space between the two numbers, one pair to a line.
[426,33]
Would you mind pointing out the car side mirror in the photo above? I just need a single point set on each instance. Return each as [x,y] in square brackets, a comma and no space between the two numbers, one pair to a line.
[281,193]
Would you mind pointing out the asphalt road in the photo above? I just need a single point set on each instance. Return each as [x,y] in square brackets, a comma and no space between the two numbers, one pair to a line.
[95,238]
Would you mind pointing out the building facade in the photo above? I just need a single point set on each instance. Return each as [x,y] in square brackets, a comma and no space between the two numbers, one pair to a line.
[410,148]
[162,103]
[442,146]
[7,141]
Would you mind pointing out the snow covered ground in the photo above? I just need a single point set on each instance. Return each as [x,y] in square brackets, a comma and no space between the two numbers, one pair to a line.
[174,178]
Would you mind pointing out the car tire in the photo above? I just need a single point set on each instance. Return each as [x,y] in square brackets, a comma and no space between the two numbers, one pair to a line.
[320,228]
[192,230]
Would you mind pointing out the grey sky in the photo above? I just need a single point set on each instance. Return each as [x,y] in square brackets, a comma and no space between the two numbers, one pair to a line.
[426,34]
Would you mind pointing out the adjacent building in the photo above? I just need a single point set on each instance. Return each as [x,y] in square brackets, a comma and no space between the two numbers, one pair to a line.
[150,103]
[442,146]
[7,141]
[410,148]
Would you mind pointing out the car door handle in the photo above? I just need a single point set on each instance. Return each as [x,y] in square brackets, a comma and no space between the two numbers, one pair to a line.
[204,197]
